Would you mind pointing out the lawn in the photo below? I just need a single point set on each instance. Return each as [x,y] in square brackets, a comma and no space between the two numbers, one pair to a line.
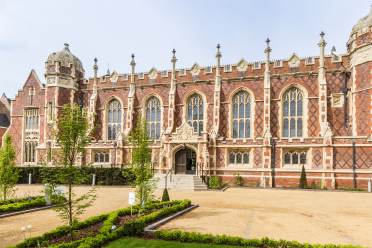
[145,243]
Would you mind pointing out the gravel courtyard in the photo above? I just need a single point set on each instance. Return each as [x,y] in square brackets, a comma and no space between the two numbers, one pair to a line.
[306,216]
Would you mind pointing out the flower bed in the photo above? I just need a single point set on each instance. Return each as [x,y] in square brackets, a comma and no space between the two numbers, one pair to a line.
[237,241]
[99,230]
[21,204]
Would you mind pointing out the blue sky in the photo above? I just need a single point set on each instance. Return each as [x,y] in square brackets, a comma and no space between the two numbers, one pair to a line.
[112,30]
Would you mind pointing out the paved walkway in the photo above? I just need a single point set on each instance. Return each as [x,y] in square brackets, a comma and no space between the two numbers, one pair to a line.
[317,217]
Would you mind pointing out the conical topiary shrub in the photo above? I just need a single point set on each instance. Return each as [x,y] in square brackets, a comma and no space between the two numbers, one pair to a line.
[303,179]
[165,196]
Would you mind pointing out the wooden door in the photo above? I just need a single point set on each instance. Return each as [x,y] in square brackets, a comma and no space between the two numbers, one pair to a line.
[180,160]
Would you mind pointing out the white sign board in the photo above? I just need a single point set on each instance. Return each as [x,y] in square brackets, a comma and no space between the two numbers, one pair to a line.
[131,198]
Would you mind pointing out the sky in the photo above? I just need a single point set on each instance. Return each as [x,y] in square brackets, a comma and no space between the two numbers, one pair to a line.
[113,30]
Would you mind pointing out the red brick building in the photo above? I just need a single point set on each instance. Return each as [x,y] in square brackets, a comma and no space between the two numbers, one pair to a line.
[4,116]
[263,120]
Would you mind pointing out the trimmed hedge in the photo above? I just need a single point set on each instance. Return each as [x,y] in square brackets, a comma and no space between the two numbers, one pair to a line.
[237,241]
[14,200]
[22,204]
[104,176]
[134,227]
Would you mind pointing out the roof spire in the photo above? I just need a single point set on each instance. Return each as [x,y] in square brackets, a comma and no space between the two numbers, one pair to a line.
[322,43]
[133,65]
[218,57]
[174,60]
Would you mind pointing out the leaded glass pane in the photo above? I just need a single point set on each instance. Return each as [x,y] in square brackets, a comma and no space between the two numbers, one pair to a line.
[287,158]
[295,158]
[238,158]
[153,118]
[303,158]
[285,128]
[241,115]
[246,158]
[195,112]
[293,110]
[232,158]
[113,119]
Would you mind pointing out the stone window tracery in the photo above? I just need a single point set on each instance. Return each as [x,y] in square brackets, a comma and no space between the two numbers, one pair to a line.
[102,157]
[153,118]
[293,113]
[239,158]
[195,113]
[114,113]
[295,158]
[241,115]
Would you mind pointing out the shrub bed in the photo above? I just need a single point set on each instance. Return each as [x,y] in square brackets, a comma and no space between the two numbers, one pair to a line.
[104,176]
[22,204]
[237,241]
[125,226]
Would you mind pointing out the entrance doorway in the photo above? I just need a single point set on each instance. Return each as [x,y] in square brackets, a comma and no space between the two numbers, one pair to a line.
[185,160]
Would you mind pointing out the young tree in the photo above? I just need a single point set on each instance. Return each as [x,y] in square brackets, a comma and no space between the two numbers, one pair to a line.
[72,137]
[303,179]
[141,163]
[8,171]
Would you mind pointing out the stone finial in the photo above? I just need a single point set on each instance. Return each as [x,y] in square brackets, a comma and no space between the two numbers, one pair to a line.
[218,54]
[322,42]
[174,59]
[268,49]
[133,62]
[95,66]
[67,47]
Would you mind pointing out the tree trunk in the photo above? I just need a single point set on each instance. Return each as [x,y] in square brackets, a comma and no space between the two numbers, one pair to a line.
[70,208]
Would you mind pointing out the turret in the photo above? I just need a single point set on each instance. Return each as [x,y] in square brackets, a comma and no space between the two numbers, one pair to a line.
[63,69]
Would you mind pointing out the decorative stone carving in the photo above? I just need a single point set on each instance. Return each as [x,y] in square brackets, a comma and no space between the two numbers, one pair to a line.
[242,66]
[114,77]
[195,70]
[294,61]
[184,133]
[153,73]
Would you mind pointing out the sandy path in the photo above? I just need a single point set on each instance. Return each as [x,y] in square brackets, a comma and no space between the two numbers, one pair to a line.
[317,217]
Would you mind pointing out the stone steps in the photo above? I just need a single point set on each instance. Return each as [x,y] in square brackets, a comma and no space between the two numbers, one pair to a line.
[180,182]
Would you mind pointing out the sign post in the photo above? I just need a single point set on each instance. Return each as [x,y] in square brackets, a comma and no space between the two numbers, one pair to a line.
[131,201]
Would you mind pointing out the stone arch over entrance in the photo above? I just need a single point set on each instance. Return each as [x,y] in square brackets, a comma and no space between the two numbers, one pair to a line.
[185,159]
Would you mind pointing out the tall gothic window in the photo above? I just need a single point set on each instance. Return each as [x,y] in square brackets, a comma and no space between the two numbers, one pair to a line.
[113,119]
[293,113]
[30,151]
[195,112]
[241,115]
[153,115]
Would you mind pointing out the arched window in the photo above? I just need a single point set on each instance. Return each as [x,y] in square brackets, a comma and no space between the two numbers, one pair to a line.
[292,113]
[113,119]
[195,112]
[153,118]
[241,108]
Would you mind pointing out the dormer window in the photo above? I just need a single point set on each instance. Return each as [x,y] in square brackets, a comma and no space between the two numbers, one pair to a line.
[256,65]
[336,58]
[141,75]
[278,63]
[208,70]
[227,68]
[125,76]
[164,73]
[309,61]
[182,72]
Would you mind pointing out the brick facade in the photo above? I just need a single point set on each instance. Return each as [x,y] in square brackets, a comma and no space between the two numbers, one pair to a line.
[336,100]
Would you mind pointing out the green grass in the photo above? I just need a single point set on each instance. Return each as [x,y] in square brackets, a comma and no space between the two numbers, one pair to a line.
[144,243]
